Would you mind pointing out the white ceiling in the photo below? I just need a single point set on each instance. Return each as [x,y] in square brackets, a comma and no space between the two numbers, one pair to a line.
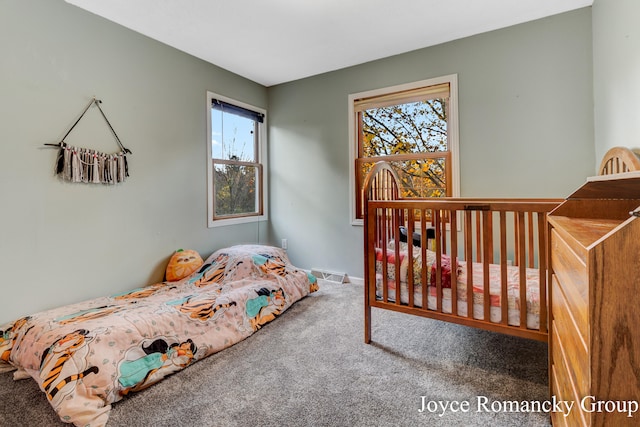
[276,41]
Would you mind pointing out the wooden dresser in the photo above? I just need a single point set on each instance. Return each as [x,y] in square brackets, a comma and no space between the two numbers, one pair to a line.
[594,338]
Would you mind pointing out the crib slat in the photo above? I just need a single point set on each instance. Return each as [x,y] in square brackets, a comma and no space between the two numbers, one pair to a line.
[522,270]
[486,298]
[385,267]
[410,260]
[504,301]
[478,237]
[516,230]
[530,240]
[423,270]
[438,248]
[443,226]
[468,250]
[453,218]
[489,236]
[397,214]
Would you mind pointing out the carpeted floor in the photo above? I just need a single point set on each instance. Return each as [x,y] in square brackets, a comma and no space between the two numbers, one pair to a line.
[310,367]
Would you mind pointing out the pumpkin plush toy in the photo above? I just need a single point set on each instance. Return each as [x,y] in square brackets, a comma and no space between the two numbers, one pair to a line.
[182,264]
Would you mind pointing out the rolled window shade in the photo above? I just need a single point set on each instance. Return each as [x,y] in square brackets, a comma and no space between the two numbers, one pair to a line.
[404,97]
[216,104]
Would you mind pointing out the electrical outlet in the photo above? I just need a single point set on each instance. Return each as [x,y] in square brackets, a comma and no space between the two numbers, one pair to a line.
[284,243]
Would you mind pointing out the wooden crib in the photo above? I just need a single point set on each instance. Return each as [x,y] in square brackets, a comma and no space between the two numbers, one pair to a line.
[500,243]
[419,254]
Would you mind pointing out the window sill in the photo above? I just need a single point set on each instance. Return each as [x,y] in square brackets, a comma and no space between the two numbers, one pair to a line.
[236,221]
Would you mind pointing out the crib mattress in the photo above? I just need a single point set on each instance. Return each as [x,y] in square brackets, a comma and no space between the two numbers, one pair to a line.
[495,313]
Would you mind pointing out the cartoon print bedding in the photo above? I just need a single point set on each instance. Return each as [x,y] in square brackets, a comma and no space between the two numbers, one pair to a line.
[88,355]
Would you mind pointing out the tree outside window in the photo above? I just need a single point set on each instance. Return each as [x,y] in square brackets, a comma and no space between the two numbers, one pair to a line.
[410,130]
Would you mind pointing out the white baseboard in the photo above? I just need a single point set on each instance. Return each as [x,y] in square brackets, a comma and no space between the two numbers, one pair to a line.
[356,280]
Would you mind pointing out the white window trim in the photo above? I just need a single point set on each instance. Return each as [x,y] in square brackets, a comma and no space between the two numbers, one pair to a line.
[262,159]
[452,132]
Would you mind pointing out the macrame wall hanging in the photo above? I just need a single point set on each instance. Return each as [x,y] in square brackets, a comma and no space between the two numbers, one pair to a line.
[91,166]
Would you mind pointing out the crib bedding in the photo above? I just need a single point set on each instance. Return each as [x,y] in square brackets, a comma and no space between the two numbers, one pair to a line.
[89,355]
[495,312]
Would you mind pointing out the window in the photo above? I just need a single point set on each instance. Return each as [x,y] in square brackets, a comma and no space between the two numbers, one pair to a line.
[236,151]
[414,128]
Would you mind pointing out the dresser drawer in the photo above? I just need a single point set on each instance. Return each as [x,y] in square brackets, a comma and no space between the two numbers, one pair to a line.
[576,245]
[567,343]
[563,391]
[563,384]
[572,276]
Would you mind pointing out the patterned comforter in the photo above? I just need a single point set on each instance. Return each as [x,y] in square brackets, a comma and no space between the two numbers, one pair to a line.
[88,355]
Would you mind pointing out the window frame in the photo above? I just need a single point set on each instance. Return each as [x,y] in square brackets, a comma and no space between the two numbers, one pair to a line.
[261,163]
[452,133]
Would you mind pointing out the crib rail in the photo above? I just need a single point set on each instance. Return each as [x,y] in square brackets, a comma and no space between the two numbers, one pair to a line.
[470,233]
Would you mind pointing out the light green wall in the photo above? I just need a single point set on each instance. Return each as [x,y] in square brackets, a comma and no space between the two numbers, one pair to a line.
[616,74]
[526,129]
[62,242]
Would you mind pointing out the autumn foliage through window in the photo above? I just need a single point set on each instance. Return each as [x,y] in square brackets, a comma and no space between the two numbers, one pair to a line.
[410,131]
